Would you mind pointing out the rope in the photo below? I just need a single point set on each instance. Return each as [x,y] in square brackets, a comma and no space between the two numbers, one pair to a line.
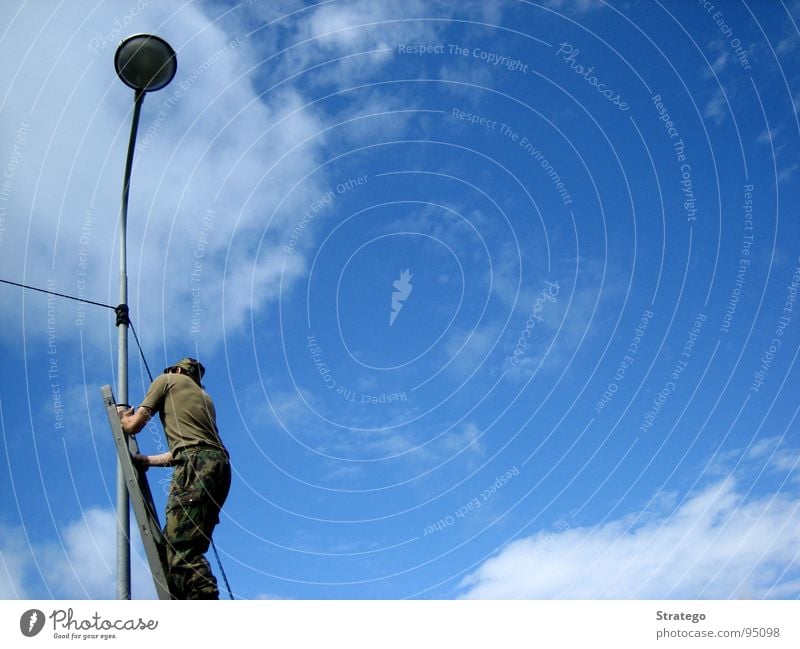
[123,317]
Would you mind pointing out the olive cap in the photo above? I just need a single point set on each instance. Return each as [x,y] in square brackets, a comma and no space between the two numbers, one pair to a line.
[191,366]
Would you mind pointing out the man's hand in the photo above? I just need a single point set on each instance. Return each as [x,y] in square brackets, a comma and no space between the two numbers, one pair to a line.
[146,461]
[141,461]
[132,422]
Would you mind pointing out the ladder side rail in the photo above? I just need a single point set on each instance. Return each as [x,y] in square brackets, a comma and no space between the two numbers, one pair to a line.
[140,495]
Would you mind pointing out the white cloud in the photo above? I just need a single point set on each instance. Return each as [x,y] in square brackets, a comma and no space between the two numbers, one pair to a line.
[349,40]
[375,115]
[14,557]
[82,565]
[719,63]
[787,44]
[467,351]
[364,35]
[576,6]
[67,411]
[339,25]
[390,445]
[466,75]
[422,448]
[87,561]
[720,543]
[776,456]
[467,439]
[768,135]
[344,473]
[719,49]
[787,172]
[715,107]
[270,596]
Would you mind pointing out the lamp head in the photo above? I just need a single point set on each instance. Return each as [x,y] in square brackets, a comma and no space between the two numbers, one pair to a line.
[145,62]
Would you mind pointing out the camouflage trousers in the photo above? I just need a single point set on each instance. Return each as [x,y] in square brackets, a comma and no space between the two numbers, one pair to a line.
[200,485]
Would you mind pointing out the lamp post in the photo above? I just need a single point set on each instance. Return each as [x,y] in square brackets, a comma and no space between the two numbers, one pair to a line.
[144,63]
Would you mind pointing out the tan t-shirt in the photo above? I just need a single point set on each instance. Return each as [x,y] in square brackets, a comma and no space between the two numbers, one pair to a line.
[187,412]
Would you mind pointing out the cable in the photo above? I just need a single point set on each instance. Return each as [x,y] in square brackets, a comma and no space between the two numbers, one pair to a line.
[222,572]
[121,311]
[69,297]
[141,352]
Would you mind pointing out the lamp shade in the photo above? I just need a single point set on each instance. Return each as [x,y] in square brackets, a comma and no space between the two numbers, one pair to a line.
[145,62]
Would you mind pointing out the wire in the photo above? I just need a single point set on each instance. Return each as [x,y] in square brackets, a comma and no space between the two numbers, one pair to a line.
[122,316]
[222,572]
[69,297]
[141,352]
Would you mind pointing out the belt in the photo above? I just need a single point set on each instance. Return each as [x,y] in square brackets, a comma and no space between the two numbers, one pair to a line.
[178,457]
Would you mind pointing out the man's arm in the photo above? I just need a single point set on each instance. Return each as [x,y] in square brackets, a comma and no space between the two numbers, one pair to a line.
[132,422]
[146,461]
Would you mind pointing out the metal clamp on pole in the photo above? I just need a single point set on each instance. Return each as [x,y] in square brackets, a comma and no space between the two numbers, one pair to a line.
[123,315]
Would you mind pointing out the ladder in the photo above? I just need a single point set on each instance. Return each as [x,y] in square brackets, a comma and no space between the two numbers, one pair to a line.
[140,495]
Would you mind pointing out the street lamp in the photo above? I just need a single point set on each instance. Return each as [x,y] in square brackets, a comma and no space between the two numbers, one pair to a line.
[144,63]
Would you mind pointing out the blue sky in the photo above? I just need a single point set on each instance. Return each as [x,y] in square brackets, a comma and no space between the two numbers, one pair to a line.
[497,299]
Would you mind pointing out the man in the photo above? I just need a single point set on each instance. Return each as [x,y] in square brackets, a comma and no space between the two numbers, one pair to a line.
[202,475]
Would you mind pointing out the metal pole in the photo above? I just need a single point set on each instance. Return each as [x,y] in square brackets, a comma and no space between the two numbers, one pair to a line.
[123,506]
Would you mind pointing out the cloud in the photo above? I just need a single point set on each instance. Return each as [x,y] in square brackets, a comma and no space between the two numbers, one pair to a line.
[419,448]
[345,42]
[467,439]
[768,135]
[348,42]
[347,473]
[467,350]
[715,107]
[270,596]
[719,49]
[375,115]
[788,44]
[575,6]
[776,456]
[466,75]
[82,565]
[66,408]
[720,543]
[14,558]
[786,173]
